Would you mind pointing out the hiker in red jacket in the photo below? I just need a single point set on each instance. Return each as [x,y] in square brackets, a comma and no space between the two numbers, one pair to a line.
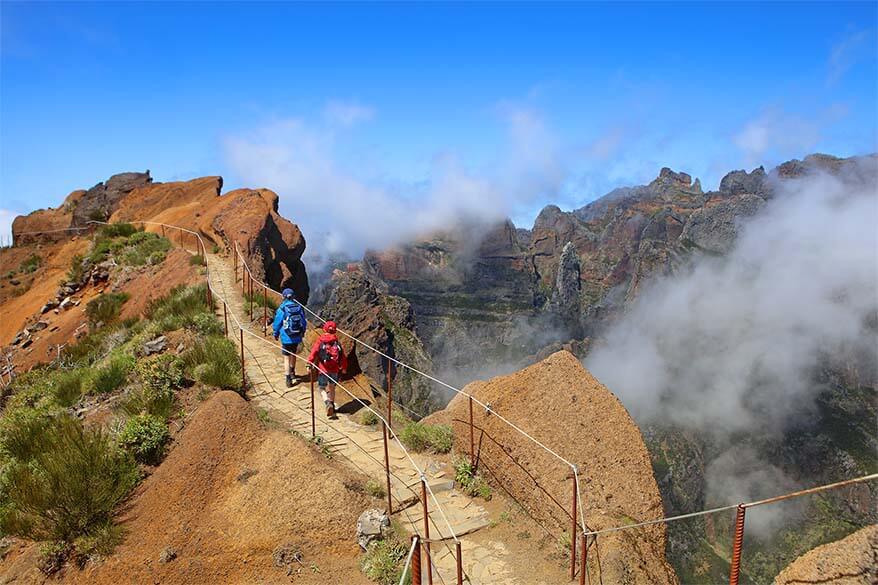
[330,359]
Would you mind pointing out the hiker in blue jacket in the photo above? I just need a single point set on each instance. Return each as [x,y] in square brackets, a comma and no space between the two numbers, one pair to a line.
[289,327]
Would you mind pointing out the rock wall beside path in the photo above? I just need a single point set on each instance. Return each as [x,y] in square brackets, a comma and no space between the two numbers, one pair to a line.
[559,403]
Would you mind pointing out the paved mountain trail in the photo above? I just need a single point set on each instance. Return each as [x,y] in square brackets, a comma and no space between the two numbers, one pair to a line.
[362,447]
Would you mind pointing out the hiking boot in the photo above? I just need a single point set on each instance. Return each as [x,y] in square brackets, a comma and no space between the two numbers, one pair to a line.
[289,381]
[330,410]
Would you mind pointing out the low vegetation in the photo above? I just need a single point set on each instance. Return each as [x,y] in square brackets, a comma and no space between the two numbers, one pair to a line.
[469,481]
[61,481]
[145,436]
[30,264]
[420,437]
[105,308]
[269,300]
[383,560]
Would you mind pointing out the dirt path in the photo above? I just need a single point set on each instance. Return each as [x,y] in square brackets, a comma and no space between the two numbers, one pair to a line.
[362,447]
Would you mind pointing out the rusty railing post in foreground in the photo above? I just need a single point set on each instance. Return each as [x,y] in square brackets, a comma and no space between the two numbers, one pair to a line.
[737,544]
[387,469]
[573,533]
[472,440]
[459,563]
[389,393]
[182,243]
[583,560]
[265,310]
[416,560]
[243,378]
[426,530]
[313,427]
[250,290]
[163,230]
[225,319]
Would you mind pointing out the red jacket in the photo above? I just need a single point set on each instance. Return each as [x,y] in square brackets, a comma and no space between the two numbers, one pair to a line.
[327,368]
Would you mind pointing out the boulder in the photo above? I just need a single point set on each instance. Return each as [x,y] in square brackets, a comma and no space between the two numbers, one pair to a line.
[66,304]
[372,525]
[103,199]
[157,345]
[51,304]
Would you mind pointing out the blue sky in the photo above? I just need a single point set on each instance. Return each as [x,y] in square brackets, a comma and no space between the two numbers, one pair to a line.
[420,113]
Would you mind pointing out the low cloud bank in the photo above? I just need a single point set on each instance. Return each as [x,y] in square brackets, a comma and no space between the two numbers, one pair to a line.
[733,345]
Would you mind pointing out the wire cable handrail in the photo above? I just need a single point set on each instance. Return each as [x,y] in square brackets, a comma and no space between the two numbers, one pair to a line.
[487,407]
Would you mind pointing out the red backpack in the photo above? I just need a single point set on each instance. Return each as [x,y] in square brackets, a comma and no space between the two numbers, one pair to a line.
[330,354]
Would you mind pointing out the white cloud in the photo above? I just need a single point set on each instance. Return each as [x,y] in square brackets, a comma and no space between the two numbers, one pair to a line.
[344,209]
[777,134]
[6,217]
[846,53]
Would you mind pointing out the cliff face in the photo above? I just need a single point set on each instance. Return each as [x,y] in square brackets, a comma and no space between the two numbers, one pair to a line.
[248,217]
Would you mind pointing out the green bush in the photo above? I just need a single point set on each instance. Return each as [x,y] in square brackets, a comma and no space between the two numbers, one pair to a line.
[65,484]
[179,308]
[105,308]
[117,229]
[269,300]
[420,437]
[375,488]
[214,361]
[382,561]
[469,481]
[30,264]
[197,260]
[109,376]
[52,556]
[161,373]
[67,386]
[368,418]
[76,272]
[207,324]
[144,248]
[145,436]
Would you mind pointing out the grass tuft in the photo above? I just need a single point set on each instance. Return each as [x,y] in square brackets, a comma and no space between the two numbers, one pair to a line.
[420,437]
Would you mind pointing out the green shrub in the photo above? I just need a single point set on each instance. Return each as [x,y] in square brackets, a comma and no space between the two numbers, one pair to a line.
[100,251]
[109,376]
[105,308]
[98,543]
[52,556]
[30,264]
[117,229]
[207,324]
[469,481]
[68,486]
[420,437]
[197,260]
[216,249]
[269,300]
[67,386]
[214,361]
[368,418]
[382,561]
[375,488]
[145,436]
[161,373]
[144,248]
[179,308]
[76,271]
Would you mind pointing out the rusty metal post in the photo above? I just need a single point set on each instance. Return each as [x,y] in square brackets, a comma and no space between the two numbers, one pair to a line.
[389,393]
[737,544]
[163,230]
[225,319]
[243,378]
[426,530]
[573,534]
[416,560]
[235,261]
[583,560]
[459,563]
[265,310]
[182,244]
[311,375]
[387,469]
[472,440]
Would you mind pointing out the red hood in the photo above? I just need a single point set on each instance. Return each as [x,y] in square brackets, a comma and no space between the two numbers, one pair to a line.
[328,337]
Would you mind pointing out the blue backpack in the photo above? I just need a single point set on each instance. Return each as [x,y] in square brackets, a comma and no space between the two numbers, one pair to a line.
[294,321]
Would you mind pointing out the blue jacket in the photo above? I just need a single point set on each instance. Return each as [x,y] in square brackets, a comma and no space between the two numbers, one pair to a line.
[279,320]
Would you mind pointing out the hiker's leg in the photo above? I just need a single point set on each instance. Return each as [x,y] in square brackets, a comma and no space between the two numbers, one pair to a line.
[331,390]
[291,369]
[287,363]
[321,382]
